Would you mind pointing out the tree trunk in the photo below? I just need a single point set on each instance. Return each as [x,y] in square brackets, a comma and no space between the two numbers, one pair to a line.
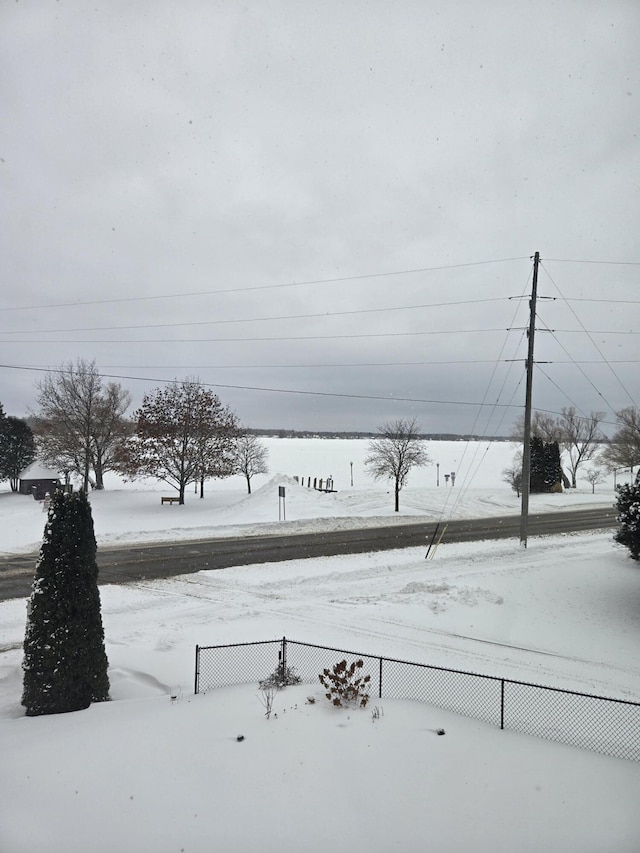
[181,493]
[397,509]
[248,484]
[201,487]
[97,468]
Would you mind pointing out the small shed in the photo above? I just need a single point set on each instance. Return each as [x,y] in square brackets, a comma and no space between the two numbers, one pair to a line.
[37,480]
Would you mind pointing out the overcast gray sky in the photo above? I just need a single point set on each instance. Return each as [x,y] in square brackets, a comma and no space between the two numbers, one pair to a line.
[304,197]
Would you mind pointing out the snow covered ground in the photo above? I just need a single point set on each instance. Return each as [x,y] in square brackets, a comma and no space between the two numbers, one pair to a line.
[148,772]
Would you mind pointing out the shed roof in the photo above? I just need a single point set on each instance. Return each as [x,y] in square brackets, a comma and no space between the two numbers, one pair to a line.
[37,471]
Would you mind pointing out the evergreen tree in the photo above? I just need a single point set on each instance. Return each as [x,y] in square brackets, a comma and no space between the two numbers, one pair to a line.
[552,466]
[17,449]
[536,467]
[545,470]
[628,504]
[65,663]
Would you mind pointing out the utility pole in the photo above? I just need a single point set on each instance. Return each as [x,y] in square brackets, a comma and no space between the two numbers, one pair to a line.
[526,448]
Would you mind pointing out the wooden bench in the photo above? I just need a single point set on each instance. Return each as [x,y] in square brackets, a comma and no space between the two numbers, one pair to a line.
[172,500]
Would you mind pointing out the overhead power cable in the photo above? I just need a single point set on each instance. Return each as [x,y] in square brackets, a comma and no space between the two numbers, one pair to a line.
[595,345]
[250,319]
[256,340]
[296,391]
[583,373]
[471,471]
[605,301]
[237,290]
[561,390]
[603,263]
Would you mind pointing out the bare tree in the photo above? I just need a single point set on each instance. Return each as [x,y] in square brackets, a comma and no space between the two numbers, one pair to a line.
[183,435]
[581,438]
[624,448]
[543,426]
[109,430]
[594,476]
[251,457]
[513,476]
[395,452]
[80,424]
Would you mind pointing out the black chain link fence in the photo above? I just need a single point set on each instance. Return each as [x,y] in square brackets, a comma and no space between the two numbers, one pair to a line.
[598,723]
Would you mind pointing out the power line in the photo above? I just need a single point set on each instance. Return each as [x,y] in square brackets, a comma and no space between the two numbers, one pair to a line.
[598,392]
[586,331]
[295,391]
[256,340]
[251,319]
[345,365]
[597,348]
[561,390]
[341,366]
[606,301]
[234,290]
[280,338]
[604,263]
[468,478]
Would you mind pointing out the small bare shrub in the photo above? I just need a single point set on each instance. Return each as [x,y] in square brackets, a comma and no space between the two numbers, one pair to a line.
[267,697]
[344,686]
[282,676]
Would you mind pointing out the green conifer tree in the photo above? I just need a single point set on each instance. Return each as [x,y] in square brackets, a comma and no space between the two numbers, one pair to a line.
[545,465]
[628,505]
[65,663]
[552,466]
[537,478]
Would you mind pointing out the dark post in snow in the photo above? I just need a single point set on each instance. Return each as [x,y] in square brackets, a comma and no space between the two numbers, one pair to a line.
[526,448]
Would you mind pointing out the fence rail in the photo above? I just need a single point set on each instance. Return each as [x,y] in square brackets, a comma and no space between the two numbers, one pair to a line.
[598,723]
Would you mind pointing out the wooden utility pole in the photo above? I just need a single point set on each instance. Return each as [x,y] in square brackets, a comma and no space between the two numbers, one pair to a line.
[526,448]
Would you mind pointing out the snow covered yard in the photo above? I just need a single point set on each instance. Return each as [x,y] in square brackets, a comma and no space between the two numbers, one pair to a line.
[148,772]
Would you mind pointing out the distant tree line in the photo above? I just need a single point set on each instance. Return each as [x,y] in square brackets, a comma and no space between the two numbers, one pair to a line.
[349,434]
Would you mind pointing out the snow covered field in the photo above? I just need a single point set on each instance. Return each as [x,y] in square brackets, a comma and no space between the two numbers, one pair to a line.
[131,512]
[147,772]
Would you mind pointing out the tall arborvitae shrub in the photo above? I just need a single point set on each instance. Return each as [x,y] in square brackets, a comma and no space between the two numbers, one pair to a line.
[552,467]
[65,663]
[546,471]
[537,466]
[628,504]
